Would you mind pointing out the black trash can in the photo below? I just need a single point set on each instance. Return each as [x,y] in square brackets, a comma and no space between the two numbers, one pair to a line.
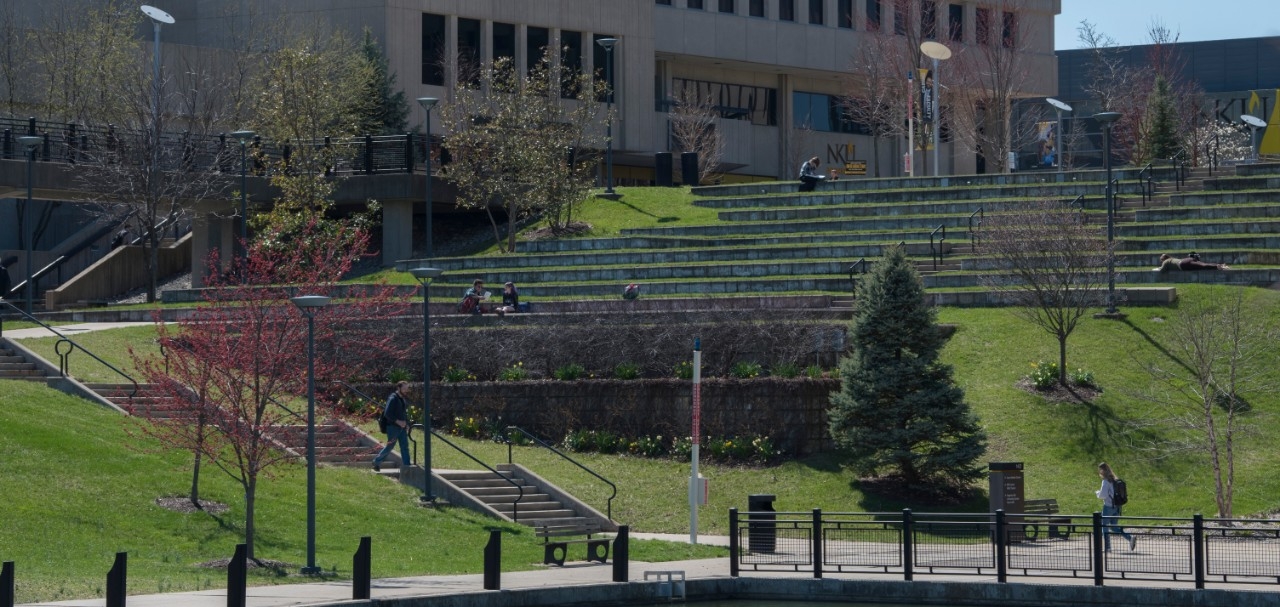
[762,532]
[662,169]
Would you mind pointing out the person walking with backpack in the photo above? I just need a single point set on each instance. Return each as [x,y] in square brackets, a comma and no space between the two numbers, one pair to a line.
[396,417]
[1114,495]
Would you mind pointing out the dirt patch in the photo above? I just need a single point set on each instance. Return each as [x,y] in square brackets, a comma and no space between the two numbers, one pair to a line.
[280,568]
[182,503]
[1059,393]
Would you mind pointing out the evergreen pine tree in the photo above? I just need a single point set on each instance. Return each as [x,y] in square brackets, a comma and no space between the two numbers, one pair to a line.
[898,412]
[388,110]
[1163,130]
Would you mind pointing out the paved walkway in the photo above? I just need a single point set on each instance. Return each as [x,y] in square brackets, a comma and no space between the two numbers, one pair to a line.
[70,329]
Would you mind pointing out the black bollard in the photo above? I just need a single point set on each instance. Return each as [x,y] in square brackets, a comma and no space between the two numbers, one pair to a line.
[361,570]
[621,554]
[493,561]
[117,580]
[6,585]
[237,589]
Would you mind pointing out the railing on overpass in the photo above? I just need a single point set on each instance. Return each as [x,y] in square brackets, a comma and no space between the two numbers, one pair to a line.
[1195,550]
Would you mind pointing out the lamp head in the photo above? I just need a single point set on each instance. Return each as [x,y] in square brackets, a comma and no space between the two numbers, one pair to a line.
[30,141]
[157,15]
[243,136]
[1106,118]
[1252,120]
[308,303]
[426,275]
[607,43]
[427,102]
[1058,104]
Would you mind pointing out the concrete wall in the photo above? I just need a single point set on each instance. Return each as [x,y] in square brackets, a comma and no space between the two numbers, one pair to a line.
[120,271]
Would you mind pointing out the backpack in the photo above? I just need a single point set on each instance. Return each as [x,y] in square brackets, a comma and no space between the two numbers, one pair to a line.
[382,422]
[1120,493]
[631,292]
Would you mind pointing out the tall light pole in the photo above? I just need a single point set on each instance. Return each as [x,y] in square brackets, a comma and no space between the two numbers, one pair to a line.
[157,17]
[1061,142]
[424,277]
[427,103]
[309,304]
[1106,119]
[607,44]
[30,142]
[936,51]
[243,137]
[1254,123]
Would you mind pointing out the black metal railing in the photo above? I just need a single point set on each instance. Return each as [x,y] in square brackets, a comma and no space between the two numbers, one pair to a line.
[1078,201]
[544,445]
[64,362]
[940,233]
[1180,169]
[515,505]
[1147,181]
[975,225]
[858,267]
[1194,550]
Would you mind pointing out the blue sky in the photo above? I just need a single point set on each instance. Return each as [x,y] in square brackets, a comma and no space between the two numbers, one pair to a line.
[1127,21]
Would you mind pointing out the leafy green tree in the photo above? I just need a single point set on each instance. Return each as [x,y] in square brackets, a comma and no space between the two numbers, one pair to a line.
[1162,117]
[898,412]
[388,112]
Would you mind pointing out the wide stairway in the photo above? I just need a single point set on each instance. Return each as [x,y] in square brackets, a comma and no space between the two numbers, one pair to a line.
[14,366]
[770,240]
[497,495]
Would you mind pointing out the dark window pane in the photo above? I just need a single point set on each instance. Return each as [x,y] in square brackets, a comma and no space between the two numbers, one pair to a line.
[664,2]
[900,11]
[757,8]
[955,27]
[469,46]
[535,45]
[504,41]
[982,26]
[732,101]
[929,20]
[787,10]
[726,6]
[845,17]
[570,63]
[695,4]
[873,15]
[433,49]
[816,12]
[1009,37]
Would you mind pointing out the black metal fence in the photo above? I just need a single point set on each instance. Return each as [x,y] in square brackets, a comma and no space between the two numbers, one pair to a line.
[1195,550]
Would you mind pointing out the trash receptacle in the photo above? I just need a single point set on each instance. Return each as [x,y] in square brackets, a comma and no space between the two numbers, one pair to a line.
[762,532]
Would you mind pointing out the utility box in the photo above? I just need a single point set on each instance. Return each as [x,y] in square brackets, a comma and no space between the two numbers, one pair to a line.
[698,490]
[1005,487]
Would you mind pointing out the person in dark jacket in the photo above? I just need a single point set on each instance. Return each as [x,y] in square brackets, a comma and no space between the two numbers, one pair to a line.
[6,283]
[510,299]
[397,416]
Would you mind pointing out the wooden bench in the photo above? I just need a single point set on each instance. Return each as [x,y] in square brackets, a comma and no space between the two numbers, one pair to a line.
[556,547]
[1040,512]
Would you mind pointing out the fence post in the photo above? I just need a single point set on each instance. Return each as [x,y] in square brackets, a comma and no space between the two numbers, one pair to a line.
[907,556]
[1097,549]
[817,543]
[1197,552]
[361,569]
[493,561]
[7,596]
[368,154]
[408,153]
[1002,556]
[733,542]
[236,582]
[622,554]
[118,580]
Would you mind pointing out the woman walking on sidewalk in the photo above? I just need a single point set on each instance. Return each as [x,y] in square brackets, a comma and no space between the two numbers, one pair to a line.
[1111,510]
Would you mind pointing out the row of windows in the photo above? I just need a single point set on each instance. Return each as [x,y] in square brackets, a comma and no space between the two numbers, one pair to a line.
[903,9]
[503,45]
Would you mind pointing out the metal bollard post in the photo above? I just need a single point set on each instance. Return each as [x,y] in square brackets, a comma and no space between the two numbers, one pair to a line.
[493,561]
[1197,553]
[117,580]
[733,542]
[1002,548]
[1097,548]
[362,570]
[817,543]
[6,585]
[236,578]
[622,554]
[907,556]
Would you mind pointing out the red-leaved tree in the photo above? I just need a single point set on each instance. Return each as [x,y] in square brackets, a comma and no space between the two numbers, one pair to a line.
[237,365]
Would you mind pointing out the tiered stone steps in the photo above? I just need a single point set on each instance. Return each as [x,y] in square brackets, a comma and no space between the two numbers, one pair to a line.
[337,444]
[495,492]
[14,366]
[144,400]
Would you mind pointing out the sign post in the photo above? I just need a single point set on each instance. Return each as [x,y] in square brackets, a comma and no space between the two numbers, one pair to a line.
[697,484]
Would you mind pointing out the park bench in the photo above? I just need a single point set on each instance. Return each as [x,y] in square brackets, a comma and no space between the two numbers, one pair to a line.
[1040,512]
[556,546]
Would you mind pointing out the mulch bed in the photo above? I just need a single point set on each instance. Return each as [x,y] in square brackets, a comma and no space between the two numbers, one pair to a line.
[1059,393]
[182,503]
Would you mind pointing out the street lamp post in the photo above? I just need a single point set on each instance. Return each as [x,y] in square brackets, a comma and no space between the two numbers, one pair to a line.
[427,103]
[607,44]
[30,142]
[308,304]
[1061,141]
[424,277]
[157,17]
[1254,123]
[244,137]
[1107,119]
[936,51]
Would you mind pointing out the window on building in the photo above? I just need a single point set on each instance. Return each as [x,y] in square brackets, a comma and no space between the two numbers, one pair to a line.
[570,63]
[433,49]
[786,10]
[824,113]
[901,10]
[844,18]
[816,10]
[504,41]
[873,15]
[695,5]
[1009,36]
[757,8]
[604,71]
[537,39]
[929,20]
[469,46]
[955,22]
[756,104]
[726,6]
[982,25]
[664,2]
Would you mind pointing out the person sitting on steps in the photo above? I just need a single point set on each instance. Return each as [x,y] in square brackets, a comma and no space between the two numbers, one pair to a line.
[809,175]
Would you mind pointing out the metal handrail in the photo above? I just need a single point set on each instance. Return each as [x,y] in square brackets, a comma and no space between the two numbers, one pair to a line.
[1113,187]
[1179,162]
[515,506]
[38,274]
[974,227]
[608,507]
[937,252]
[1148,186]
[1079,200]
[57,347]
[859,267]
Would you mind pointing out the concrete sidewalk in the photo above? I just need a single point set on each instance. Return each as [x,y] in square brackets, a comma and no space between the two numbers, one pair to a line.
[70,330]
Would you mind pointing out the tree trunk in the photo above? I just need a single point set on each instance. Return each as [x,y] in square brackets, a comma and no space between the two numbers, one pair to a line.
[195,482]
[250,489]
[1062,359]
[153,264]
